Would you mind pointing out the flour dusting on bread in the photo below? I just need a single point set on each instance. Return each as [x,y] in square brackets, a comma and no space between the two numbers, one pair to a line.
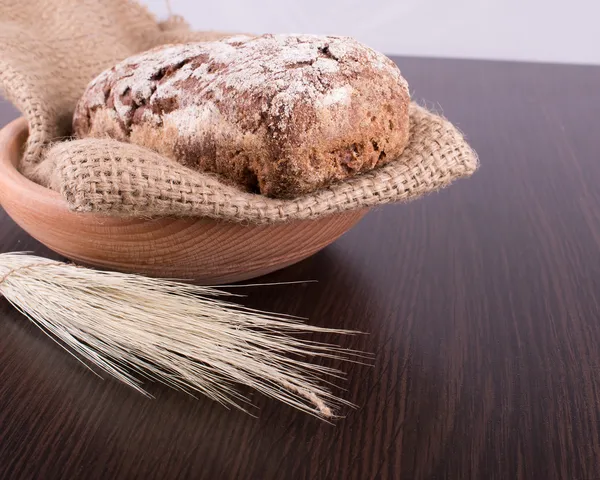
[278,114]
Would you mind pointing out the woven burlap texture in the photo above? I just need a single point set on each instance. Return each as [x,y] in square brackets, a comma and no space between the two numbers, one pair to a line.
[46,61]
[51,49]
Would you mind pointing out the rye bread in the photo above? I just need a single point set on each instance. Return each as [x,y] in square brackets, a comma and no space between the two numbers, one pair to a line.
[281,115]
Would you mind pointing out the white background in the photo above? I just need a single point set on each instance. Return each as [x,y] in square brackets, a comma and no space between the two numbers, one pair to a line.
[531,30]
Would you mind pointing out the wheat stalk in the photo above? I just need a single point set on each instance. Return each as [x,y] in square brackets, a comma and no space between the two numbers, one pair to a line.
[186,336]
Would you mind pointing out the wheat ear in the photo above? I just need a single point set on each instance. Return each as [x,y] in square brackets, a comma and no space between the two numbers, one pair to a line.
[186,336]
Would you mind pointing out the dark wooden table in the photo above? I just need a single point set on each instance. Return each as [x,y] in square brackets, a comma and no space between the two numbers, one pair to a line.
[482,305]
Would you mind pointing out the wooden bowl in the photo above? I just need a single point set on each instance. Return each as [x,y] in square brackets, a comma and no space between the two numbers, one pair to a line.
[204,250]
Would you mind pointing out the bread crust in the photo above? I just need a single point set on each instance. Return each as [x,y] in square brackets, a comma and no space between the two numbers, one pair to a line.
[280,115]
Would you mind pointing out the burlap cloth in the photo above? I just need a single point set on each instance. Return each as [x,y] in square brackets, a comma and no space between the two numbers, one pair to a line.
[51,49]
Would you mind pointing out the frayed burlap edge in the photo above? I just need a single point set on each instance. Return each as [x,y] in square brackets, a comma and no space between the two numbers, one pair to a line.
[120,179]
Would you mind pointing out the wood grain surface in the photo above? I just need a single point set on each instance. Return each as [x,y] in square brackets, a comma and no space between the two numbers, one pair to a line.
[481,303]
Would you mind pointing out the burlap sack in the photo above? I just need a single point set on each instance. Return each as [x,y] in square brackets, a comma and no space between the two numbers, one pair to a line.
[46,61]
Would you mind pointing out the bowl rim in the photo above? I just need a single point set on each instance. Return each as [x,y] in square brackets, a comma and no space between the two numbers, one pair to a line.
[13,137]
[17,189]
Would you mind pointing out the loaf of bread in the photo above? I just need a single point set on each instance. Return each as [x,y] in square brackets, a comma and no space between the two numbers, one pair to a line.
[281,115]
